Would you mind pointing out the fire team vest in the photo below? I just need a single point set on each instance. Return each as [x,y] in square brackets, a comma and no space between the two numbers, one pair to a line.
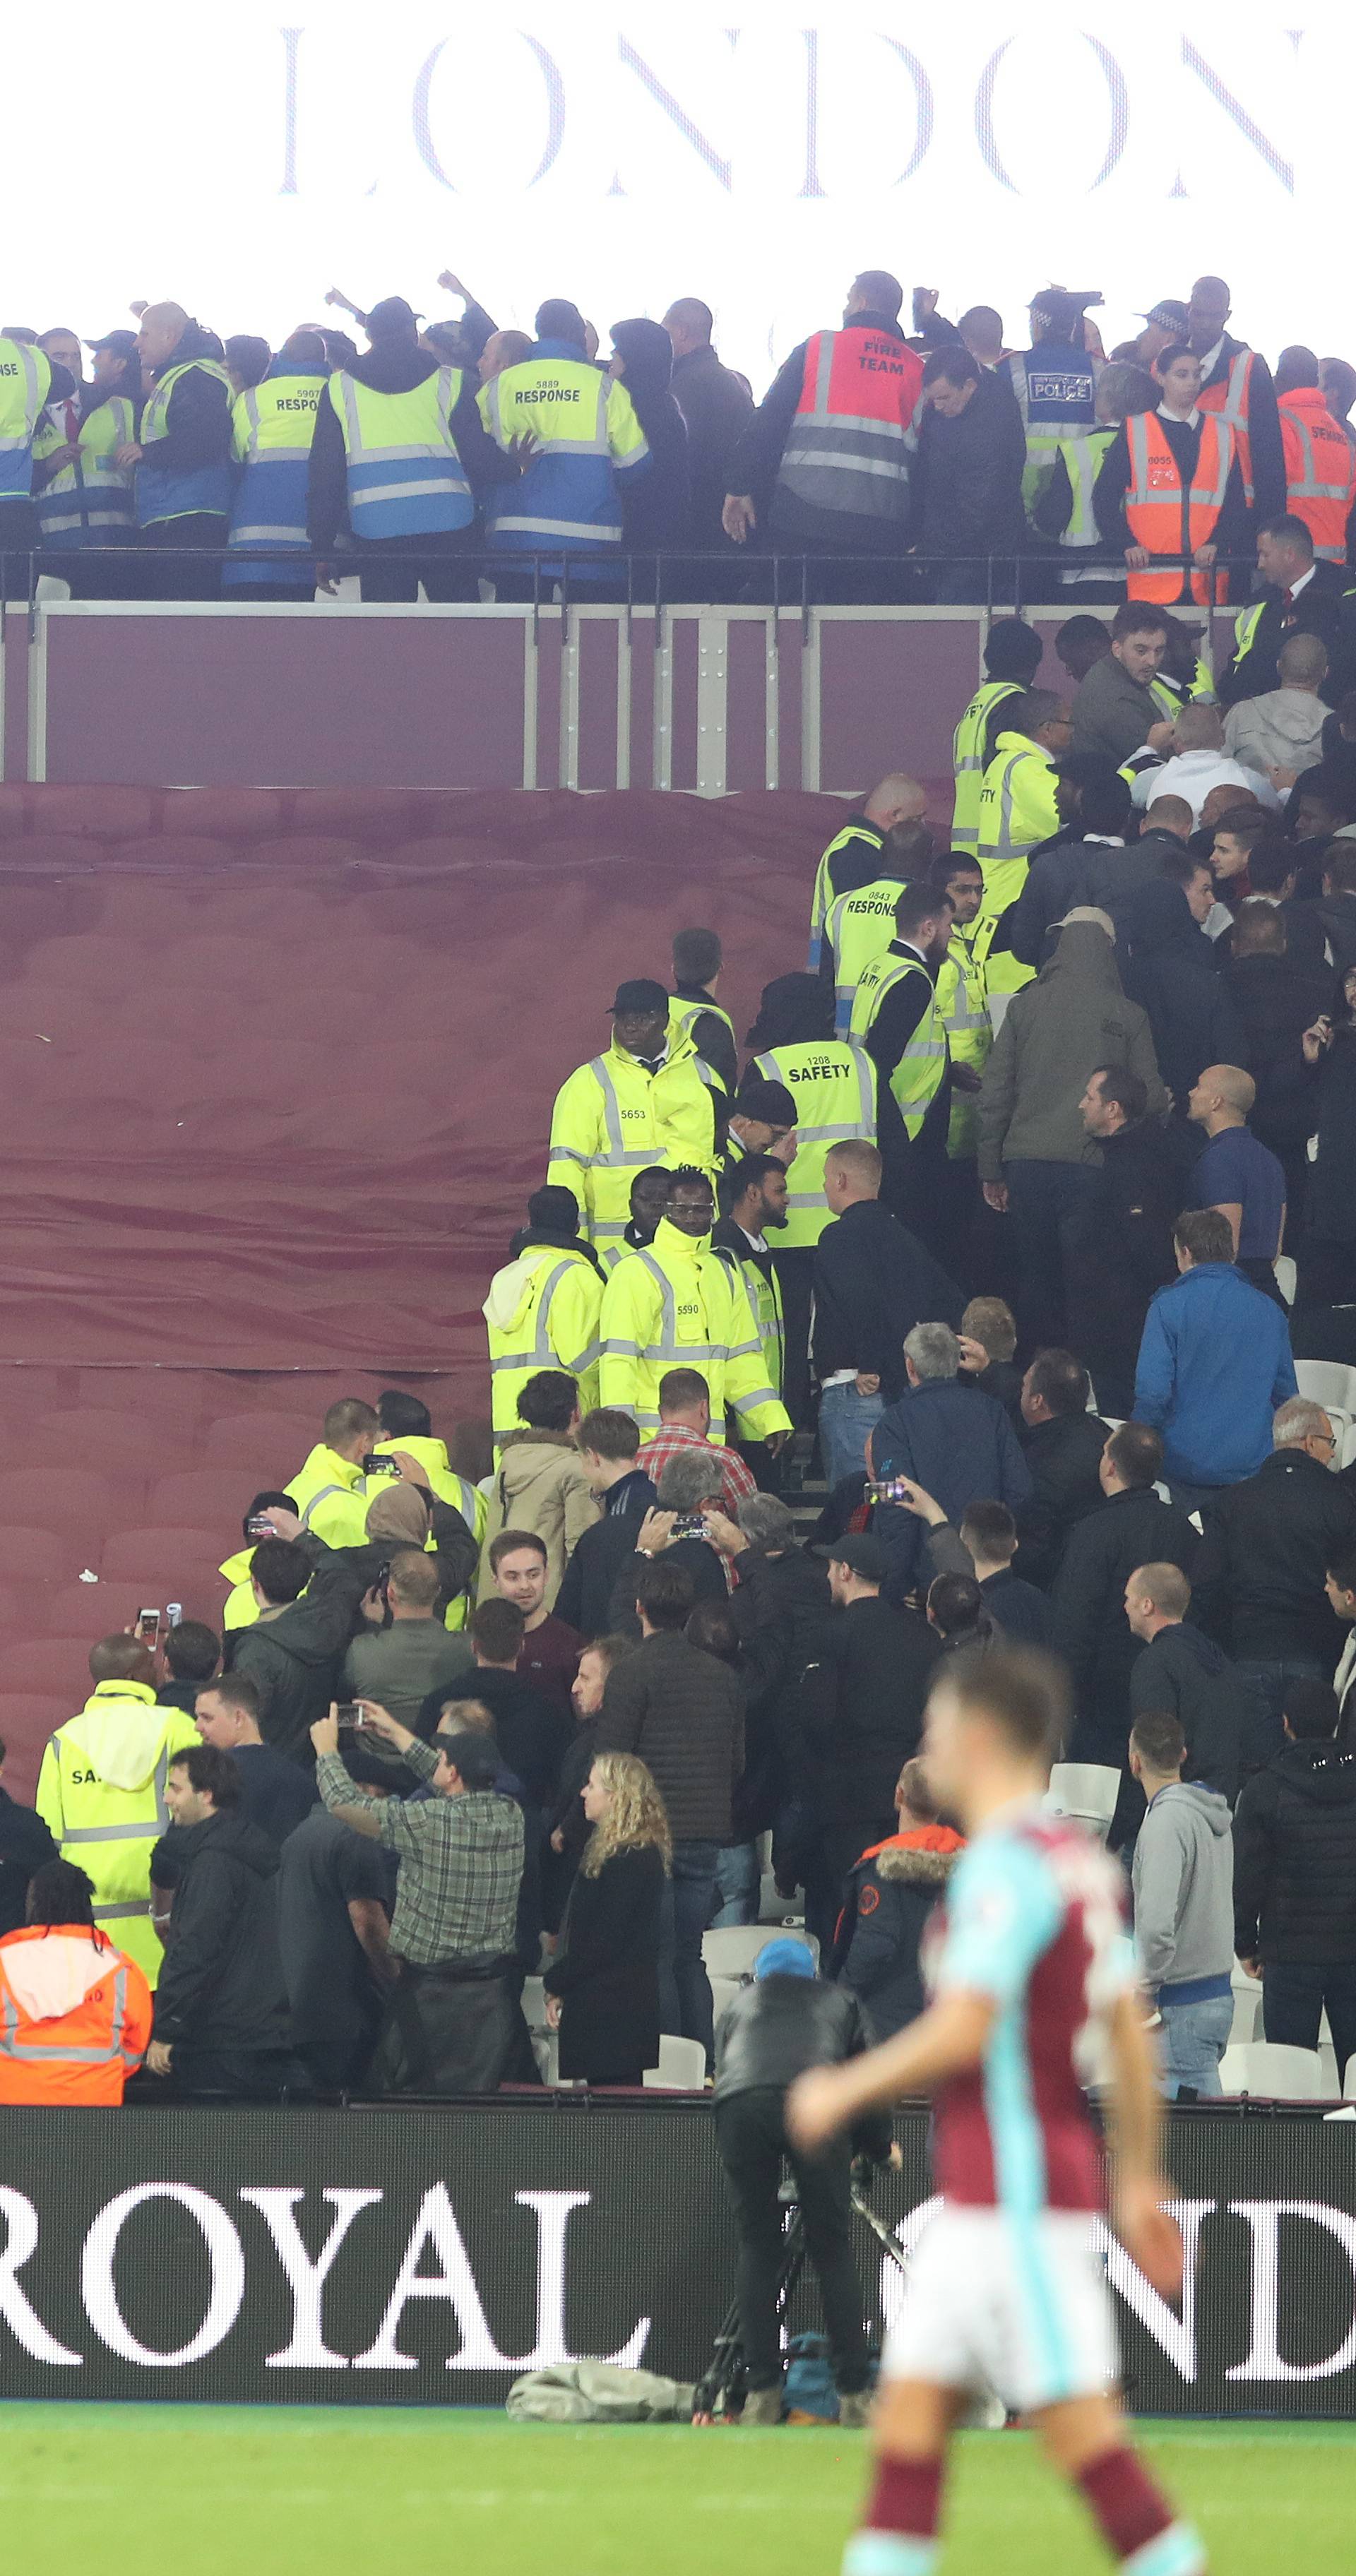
[1166,518]
[849,443]
[1229,401]
[1320,470]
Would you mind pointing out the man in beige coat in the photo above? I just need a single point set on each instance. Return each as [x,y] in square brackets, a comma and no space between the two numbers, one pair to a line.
[1036,1160]
[540,1485]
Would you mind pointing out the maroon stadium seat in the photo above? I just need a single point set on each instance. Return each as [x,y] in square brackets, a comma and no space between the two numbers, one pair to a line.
[265,1446]
[72,1499]
[204,1496]
[35,1555]
[48,1664]
[27,1718]
[164,1558]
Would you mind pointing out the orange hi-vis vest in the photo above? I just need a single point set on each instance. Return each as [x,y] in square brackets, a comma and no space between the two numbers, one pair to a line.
[75,2016]
[851,441]
[1228,400]
[1320,470]
[1167,518]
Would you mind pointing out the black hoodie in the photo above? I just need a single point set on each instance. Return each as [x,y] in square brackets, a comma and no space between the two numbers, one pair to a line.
[1185,1672]
[394,366]
[1170,972]
[1295,1858]
[221,1984]
[655,504]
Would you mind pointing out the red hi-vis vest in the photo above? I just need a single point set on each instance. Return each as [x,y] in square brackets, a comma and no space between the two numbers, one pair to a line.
[1164,517]
[1229,400]
[1320,470]
[850,443]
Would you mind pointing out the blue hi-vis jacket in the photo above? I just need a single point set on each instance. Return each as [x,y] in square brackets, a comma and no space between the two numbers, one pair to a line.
[168,491]
[587,435]
[273,424]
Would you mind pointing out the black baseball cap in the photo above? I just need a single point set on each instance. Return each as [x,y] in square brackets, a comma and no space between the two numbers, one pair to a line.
[122,343]
[643,993]
[769,1102]
[861,1554]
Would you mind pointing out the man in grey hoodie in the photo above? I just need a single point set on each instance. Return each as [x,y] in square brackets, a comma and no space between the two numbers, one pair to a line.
[1283,729]
[1183,1881]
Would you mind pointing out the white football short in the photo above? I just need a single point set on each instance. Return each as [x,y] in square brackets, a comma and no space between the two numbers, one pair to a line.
[995,2301]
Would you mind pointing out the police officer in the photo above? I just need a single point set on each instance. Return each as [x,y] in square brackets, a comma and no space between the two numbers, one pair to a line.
[543,1307]
[182,453]
[101,1791]
[677,1305]
[1055,386]
[399,458]
[1063,509]
[649,1098]
[273,422]
[1012,657]
[853,856]
[585,442]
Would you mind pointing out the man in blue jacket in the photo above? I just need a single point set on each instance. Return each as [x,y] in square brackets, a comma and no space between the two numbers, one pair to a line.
[955,1442]
[1214,1364]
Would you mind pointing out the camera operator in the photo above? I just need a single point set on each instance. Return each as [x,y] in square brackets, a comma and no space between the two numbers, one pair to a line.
[786,2021]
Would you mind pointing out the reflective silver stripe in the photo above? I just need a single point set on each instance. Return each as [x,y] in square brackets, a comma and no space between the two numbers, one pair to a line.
[543,1349]
[493,419]
[570,1154]
[257,536]
[824,370]
[826,458]
[620,1157]
[852,424]
[1017,380]
[119,2013]
[250,404]
[1081,463]
[1137,441]
[112,1833]
[619,1350]
[558,528]
[120,1913]
[428,488]
[322,1497]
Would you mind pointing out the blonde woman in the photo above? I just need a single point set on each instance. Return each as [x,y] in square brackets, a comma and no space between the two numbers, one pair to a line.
[603,1986]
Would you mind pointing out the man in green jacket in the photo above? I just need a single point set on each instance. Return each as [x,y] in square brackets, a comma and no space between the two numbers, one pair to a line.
[1036,1161]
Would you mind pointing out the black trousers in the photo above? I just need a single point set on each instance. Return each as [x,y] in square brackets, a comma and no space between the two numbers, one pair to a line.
[751,2135]
[1294,1996]
[159,575]
[448,567]
[795,1277]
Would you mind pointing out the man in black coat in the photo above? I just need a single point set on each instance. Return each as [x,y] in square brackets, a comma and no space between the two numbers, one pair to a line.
[718,408]
[1062,1444]
[779,1608]
[25,1845]
[608,1442]
[1182,1672]
[873,1281]
[860,1719]
[1122,1250]
[1295,1879]
[1276,998]
[967,482]
[1169,967]
[1267,1545]
[1132,1528]
[295,1651]
[1300,596]
[221,2023]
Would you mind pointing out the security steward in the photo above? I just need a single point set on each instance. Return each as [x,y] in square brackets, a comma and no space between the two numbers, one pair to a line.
[1012,657]
[400,461]
[678,1306]
[28,380]
[786,2021]
[1320,468]
[859,925]
[896,1020]
[824,464]
[1299,596]
[833,1085]
[583,441]
[853,856]
[761,1122]
[1169,493]
[85,498]
[75,2009]
[753,1200]
[649,1098]
[542,1309]
[963,1009]
[1018,807]
[268,554]
[101,1791]
[182,453]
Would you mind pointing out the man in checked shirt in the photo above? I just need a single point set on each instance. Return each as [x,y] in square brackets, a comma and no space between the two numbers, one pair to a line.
[453,2011]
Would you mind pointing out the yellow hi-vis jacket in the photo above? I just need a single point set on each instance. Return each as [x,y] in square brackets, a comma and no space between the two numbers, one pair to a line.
[763,1290]
[833,1084]
[963,1009]
[677,1306]
[241,1609]
[331,1497]
[542,1313]
[858,928]
[101,1795]
[1017,809]
[967,757]
[864,842]
[921,1070]
[612,1118]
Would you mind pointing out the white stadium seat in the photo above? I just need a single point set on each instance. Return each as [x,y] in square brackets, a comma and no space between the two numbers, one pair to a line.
[1327,1382]
[1269,2073]
[681,2068]
[1085,1791]
[1284,1269]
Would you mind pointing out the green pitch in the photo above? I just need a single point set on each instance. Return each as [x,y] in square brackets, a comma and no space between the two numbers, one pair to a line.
[283,2492]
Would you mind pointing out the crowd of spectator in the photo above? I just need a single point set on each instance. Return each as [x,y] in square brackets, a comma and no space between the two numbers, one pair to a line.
[882,463]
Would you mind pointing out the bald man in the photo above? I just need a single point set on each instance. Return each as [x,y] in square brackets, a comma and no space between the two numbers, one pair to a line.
[854,855]
[1235,381]
[1236,1175]
[503,349]
[1199,765]
[1283,729]
[718,409]
[184,476]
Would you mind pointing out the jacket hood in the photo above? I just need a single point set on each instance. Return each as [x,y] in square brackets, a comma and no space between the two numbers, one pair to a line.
[543,1238]
[231,1836]
[527,1438]
[1157,916]
[1006,741]
[1323,1770]
[1295,713]
[1084,951]
[394,366]
[51,1967]
[1194,1642]
[193,342]
[121,1733]
[1208,1804]
[511,1287]
[539,1461]
[648,354]
[924,1858]
[796,1010]
[278,367]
